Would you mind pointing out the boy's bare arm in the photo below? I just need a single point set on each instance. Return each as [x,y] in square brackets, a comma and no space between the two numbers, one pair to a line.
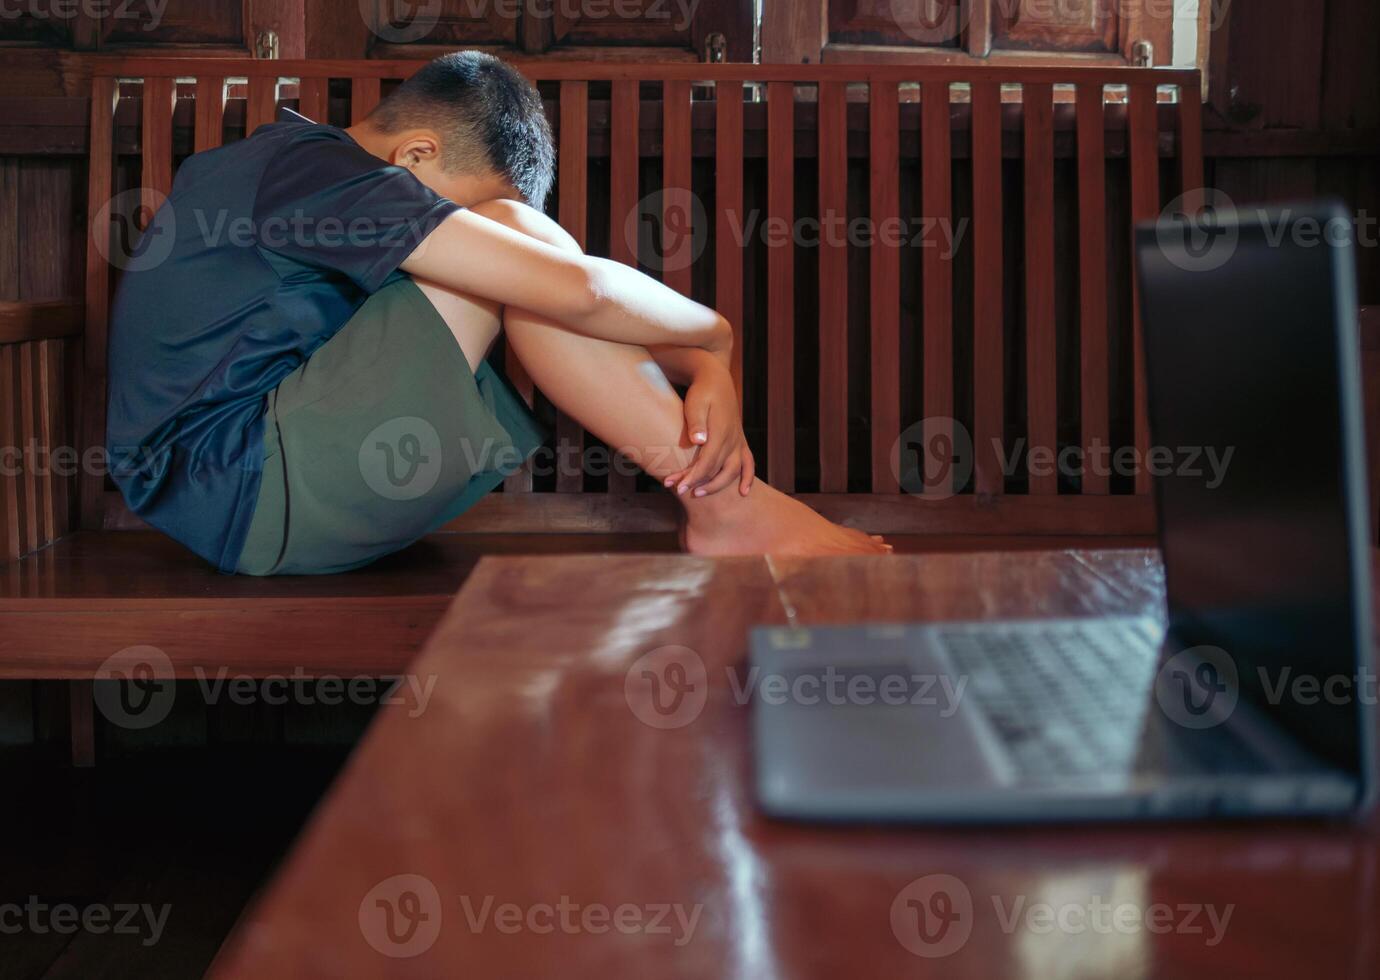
[472,254]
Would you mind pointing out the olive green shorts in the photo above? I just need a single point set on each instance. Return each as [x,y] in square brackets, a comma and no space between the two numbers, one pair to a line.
[383,435]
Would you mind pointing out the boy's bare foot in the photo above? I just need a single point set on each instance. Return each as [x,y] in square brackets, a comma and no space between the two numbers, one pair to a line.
[767,522]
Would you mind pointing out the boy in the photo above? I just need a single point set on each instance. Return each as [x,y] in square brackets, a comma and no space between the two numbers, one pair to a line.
[301,385]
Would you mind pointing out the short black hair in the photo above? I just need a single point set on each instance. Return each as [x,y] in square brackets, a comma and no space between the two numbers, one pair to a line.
[489,117]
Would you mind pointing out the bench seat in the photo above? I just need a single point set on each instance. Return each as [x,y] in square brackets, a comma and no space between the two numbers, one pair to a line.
[70,606]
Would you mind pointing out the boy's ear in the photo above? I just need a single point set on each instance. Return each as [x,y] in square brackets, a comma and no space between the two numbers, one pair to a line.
[417,148]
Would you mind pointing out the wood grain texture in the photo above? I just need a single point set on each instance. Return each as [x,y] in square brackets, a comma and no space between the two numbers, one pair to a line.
[12,543]
[884,270]
[780,391]
[1042,414]
[1145,206]
[1094,357]
[678,214]
[210,112]
[97,289]
[365,93]
[833,289]
[1190,148]
[693,71]
[313,99]
[534,703]
[936,265]
[157,137]
[261,105]
[40,320]
[728,218]
[989,379]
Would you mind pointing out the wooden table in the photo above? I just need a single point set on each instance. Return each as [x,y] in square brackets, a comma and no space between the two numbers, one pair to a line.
[538,820]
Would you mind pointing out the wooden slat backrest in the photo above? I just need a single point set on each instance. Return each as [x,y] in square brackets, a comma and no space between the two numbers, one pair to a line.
[1041,381]
[936,277]
[833,288]
[988,274]
[780,388]
[771,345]
[1094,357]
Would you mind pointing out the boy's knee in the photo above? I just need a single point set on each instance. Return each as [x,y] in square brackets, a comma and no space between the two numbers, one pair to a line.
[528,220]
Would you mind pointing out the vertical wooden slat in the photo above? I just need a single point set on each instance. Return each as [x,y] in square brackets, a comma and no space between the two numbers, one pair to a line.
[574,218]
[1190,119]
[677,214]
[1092,277]
[1037,108]
[1143,121]
[261,107]
[936,193]
[833,288]
[31,511]
[884,282]
[364,96]
[157,145]
[988,277]
[312,96]
[781,286]
[40,370]
[210,112]
[54,357]
[728,193]
[623,185]
[11,535]
[98,190]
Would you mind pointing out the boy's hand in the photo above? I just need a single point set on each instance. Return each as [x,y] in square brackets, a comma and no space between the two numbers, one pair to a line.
[715,425]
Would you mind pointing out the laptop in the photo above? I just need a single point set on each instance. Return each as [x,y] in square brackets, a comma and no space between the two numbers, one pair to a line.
[1254,699]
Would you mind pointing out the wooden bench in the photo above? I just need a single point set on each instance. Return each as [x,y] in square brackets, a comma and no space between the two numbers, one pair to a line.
[1027,330]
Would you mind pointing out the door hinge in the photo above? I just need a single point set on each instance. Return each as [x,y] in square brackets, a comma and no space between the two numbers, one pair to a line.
[715,48]
[266,45]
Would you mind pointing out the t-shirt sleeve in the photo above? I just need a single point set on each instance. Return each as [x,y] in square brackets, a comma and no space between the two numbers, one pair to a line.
[326,202]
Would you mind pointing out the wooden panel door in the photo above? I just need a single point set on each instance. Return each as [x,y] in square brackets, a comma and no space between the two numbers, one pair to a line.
[257,28]
[958,31]
[657,30]
[1070,25]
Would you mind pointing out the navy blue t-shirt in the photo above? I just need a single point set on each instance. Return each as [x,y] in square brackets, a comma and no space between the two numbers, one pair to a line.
[264,249]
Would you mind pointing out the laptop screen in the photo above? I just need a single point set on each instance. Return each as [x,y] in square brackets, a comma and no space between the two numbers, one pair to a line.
[1251,357]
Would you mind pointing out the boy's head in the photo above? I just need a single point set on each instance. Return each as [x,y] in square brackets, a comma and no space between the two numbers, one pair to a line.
[470,127]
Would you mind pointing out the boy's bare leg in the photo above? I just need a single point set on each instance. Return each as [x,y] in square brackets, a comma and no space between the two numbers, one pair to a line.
[618,392]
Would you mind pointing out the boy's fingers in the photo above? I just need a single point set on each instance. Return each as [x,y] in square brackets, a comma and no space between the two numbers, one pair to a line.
[749,471]
[707,464]
[722,481]
[697,418]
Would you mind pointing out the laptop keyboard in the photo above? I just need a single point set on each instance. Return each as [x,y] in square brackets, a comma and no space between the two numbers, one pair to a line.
[1064,698]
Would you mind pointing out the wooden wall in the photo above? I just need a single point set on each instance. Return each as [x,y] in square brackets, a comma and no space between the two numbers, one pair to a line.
[1294,111]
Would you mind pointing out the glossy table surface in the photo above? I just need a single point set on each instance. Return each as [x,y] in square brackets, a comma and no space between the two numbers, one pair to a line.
[528,811]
